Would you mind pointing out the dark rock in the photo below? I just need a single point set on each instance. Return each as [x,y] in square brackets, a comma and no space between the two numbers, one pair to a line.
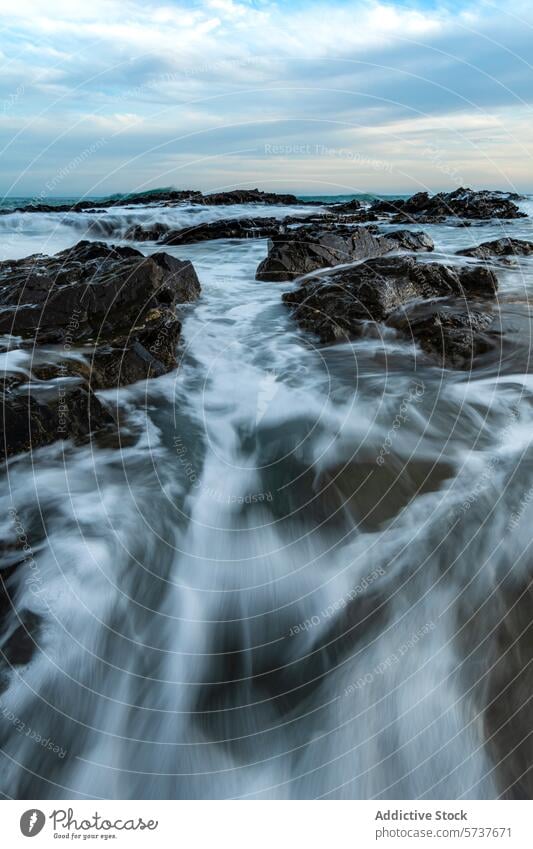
[138,233]
[302,251]
[168,197]
[149,351]
[462,203]
[349,206]
[250,196]
[21,644]
[236,228]
[90,291]
[115,298]
[35,416]
[338,303]
[410,240]
[242,228]
[452,333]
[499,247]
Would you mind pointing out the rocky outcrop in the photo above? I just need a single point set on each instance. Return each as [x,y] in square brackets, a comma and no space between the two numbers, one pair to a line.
[152,233]
[302,251]
[453,334]
[409,240]
[169,197]
[33,416]
[249,196]
[166,197]
[462,203]
[92,290]
[337,304]
[226,228]
[505,247]
[113,300]
[239,228]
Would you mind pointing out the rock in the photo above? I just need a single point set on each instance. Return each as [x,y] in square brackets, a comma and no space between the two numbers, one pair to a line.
[452,334]
[92,287]
[115,298]
[499,247]
[138,233]
[462,203]
[34,416]
[410,240]
[149,351]
[227,228]
[337,304]
[349,206]
[250,196]
[303,250]
[241,228]
[169,197]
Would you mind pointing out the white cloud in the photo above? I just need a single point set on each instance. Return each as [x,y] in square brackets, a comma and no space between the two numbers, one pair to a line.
[220,76]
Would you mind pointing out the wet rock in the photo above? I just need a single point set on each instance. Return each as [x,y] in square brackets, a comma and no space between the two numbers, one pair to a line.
[138,233]
[338,303]
[34,416]
[249,196]
[410,240]
[22,643]
[169,197]
[453,334]
[462,203]
[240,228]
[302,251]
[499,247]
[148,351]
[113,297]
[237,228]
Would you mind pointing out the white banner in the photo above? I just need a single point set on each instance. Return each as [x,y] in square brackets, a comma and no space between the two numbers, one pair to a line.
[268,824]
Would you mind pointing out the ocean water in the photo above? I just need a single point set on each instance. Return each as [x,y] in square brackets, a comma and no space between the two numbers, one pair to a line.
[241,602]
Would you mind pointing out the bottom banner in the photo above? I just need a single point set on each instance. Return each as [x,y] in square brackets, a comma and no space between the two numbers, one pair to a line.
[265,824]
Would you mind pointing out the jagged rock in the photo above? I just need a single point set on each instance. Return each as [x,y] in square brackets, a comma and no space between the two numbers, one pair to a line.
[33,416]
[250,196]
[499,247]
[337,304]
[238,228]
[410,240]
[453,335]
[168,197]
[462,203]
[227,228]
[115,298]
[138,233]
[92,288]
[302,251]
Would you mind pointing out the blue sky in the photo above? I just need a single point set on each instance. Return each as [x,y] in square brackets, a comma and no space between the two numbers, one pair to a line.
[317,98]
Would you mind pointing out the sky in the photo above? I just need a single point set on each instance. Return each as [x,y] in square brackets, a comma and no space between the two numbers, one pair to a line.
[310,97]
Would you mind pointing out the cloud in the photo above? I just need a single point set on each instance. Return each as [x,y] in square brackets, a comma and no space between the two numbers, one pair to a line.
[194,94]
